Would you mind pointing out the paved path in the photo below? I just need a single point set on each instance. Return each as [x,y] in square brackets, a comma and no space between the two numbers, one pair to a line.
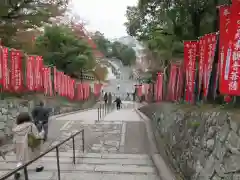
[115,148]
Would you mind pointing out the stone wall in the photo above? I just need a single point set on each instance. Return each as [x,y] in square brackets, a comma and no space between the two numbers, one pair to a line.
[198,143]
[10,108]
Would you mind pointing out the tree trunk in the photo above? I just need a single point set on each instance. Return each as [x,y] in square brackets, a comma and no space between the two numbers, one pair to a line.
[196,20]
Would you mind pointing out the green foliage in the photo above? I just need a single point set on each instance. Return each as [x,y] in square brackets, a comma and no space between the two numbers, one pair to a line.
[60,47]
[163,25]
[116,49]
[126,54]
[21,15]
[103,44]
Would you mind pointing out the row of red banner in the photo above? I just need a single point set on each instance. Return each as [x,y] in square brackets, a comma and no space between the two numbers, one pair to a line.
[199,58]
[39,77]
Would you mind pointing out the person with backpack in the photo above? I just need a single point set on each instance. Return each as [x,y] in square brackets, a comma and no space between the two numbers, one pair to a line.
[27,141]
[40,116]
[118,103]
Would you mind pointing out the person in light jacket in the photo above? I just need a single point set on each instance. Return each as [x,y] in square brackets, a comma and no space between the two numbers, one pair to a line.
[24,126]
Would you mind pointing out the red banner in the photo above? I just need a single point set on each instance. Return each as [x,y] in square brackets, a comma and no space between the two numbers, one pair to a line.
[224,15]
[72,88]
[232,71]
[45,80]
[202,47]
[159,87]
[97,89]
[1,68]
[211,41]
[38,73]
[5,70]
[172,83]
[190,50]
[55,78]
[30,73]
[80,91]
[87,90]
[139,90]
[59,83]
[16,70]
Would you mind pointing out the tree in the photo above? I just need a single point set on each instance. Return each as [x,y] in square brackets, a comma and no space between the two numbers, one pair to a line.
[59,46]
[163,25]
[103,44]
[22,15]
[126,54]
[100,72]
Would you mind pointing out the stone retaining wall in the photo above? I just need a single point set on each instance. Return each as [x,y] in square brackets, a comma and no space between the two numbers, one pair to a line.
[198,144]
[10,108]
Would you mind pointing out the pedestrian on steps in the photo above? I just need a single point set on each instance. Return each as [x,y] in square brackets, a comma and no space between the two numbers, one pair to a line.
[24,127]
[118,103]
[105,98]
[40,116]
[109,100]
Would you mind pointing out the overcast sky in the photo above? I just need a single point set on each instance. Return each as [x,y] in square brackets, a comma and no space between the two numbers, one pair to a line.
[106,16]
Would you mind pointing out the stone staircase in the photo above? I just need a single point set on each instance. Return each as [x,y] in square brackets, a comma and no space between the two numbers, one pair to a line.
[89,166]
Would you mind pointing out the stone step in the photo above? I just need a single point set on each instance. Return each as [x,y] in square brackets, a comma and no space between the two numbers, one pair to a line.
[112,168]
[87,176]
[90,164]
[69,153]
[87,160]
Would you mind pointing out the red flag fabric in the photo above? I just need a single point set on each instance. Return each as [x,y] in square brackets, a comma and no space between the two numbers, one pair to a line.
[72,88]
[80,90]
[45,80]
[202,47]
[210,48]
[55,79]
[97,89]
[16,71]
[5,70]
[172,83]
[38,73]
[139,90]
[190,50]
[224,20]
[30,73]
[159,87]
[1,68]
[232,70]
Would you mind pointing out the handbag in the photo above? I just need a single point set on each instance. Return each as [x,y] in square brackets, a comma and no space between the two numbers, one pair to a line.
[33,141]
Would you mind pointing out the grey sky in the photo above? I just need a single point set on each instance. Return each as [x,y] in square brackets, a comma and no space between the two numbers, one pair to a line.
[106,16]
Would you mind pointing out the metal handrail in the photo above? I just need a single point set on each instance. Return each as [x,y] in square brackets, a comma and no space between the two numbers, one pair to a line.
[24,166]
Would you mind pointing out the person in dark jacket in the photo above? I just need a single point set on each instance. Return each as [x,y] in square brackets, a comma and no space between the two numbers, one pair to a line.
[40,116]
[105,98]
[118,102]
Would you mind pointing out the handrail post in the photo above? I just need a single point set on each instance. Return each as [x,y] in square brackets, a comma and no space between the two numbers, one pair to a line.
[98,114]
[83,141]
[25,173]
[58,163]
[103,111]
[74,155]
[100,111]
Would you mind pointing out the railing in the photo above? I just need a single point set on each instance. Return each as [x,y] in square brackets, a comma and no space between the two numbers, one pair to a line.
[24,166]
[104,109]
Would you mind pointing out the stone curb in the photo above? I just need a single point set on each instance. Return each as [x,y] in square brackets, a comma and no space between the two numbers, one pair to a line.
[162,168]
